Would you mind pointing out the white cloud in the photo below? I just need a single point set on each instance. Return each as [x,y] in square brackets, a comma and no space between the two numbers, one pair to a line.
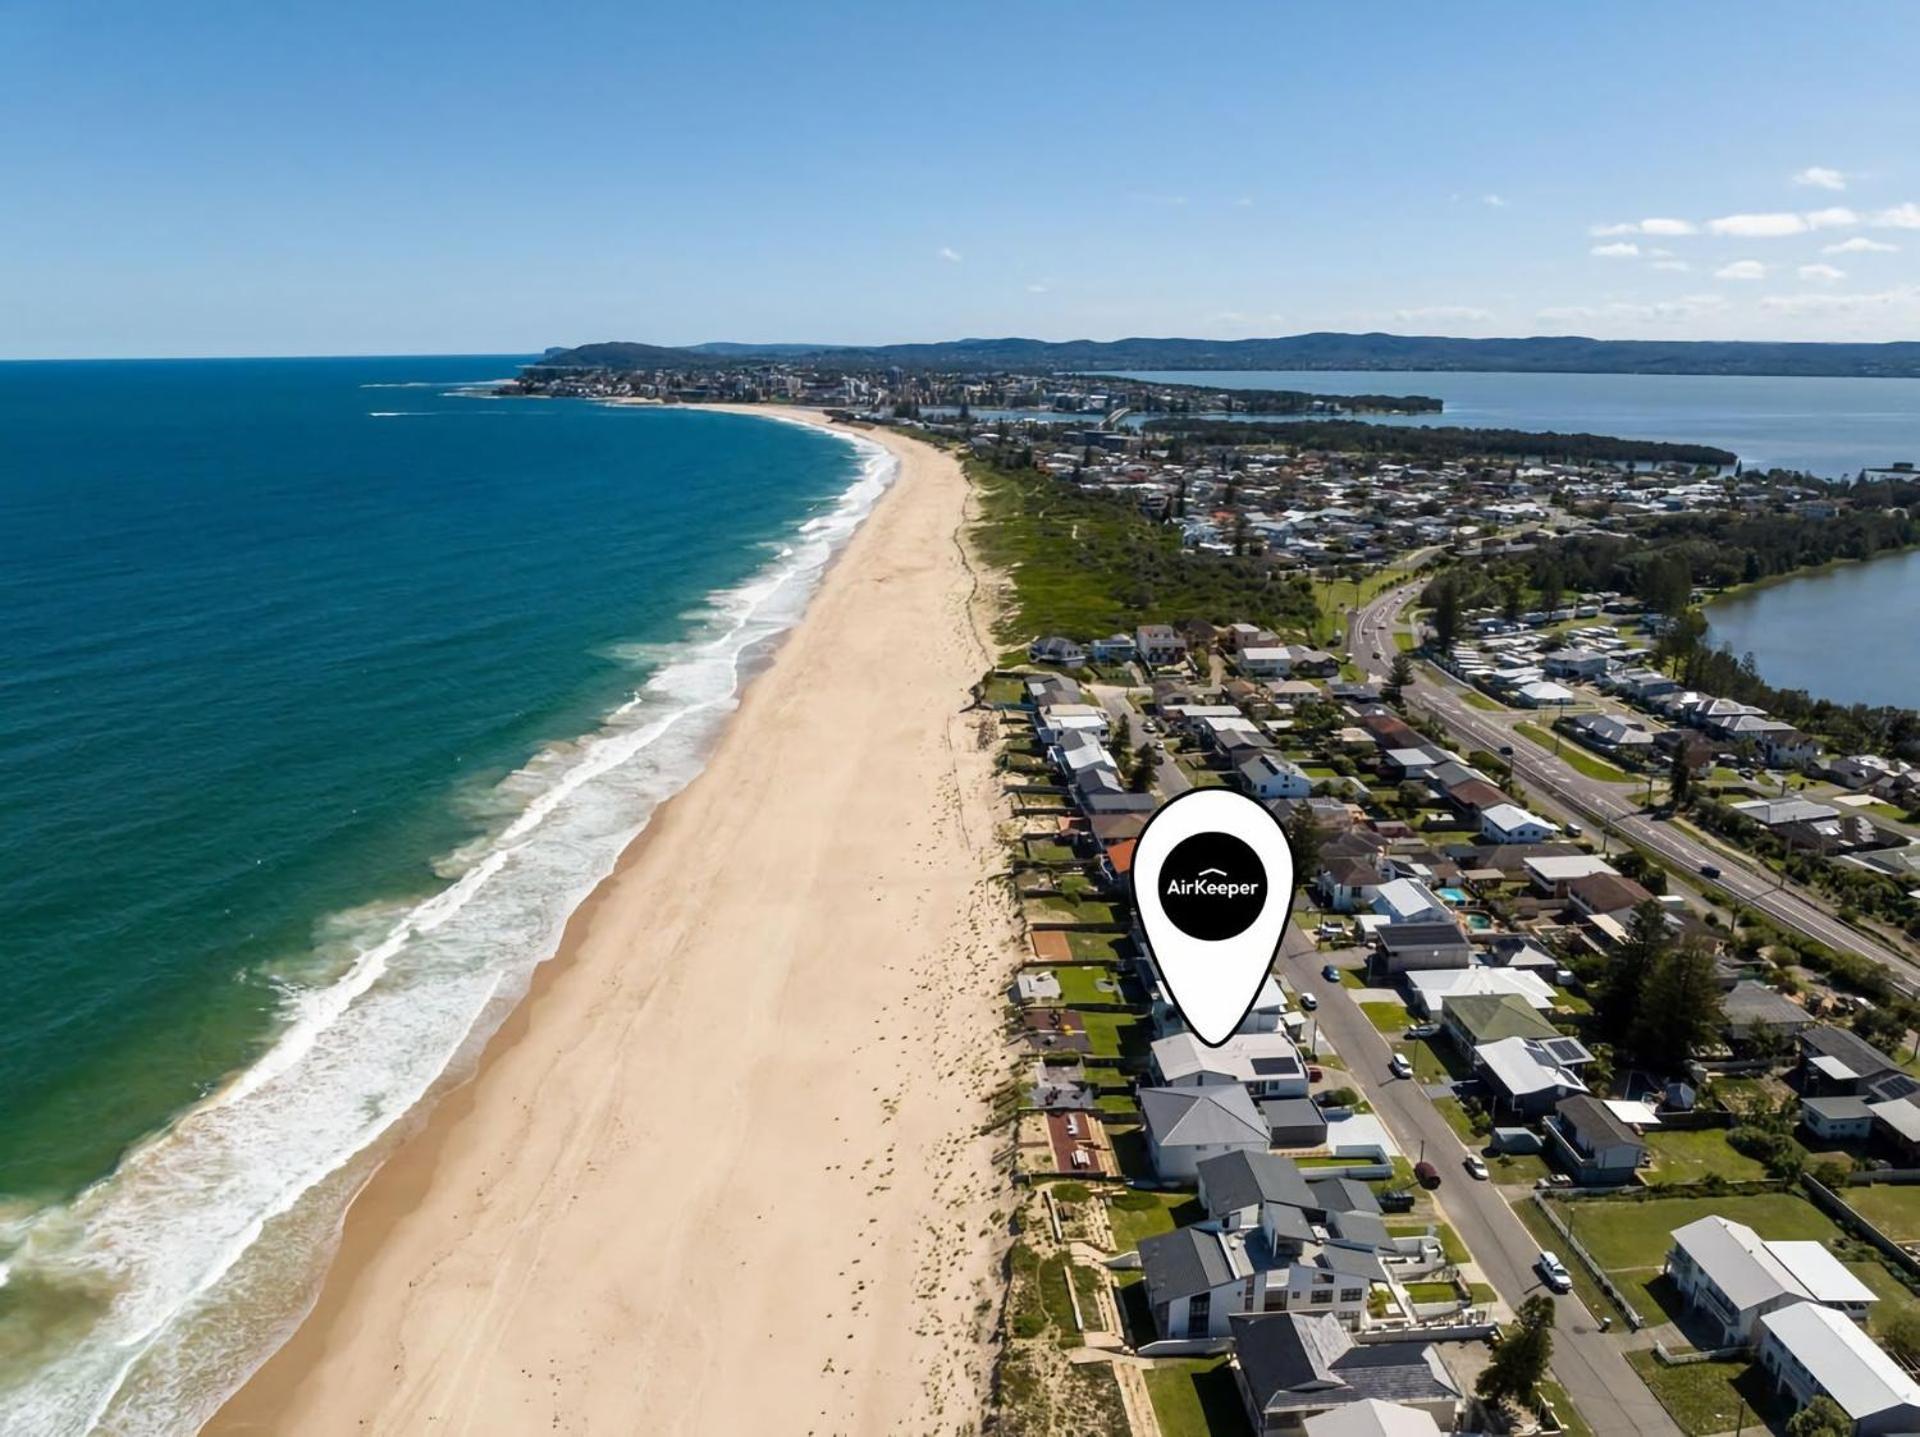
[1245,202]
[1821,178]
[948,253]
[1860,244]
[1821,273]
[1837,218]
[1645,227]
[1902,297]
[1496,201]
[1741,269]
[1768,226]
[1465,313]
[1037,289]
[1900,217]
[1149,198]
[1677,266]
[1619,249]
[1661,311]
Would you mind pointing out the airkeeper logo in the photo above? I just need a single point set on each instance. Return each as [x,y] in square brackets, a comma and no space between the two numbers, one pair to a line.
[1212,886]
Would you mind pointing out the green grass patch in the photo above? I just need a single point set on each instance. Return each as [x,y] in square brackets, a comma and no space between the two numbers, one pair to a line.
[1082,563]
[1352,978]
[1136,1215]
[1103,947]
[1117,1035]
[1434,1062]
[1387,1017]
[1082,984]
[1892,1208]
[1571,1422]
[1433,1292]
[1196,1399]
[1450,1243]
[1691,1157]
[1547,1240]
[1574,756]
[1707,1397]
[1405,642]
[1003,689]
[1050,850]
[1478,700]
[1456,1116]
[1071,910]
[1625,1235]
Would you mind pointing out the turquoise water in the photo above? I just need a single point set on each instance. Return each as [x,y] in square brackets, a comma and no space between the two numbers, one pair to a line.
[326,690]
[1845,633]
[1830,427]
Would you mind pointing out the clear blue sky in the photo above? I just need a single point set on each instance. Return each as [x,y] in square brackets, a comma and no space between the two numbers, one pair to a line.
[355,178]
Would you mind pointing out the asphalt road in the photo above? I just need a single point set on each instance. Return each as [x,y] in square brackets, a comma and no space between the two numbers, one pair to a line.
[1166,773]
[1561,792]
[1591,1366]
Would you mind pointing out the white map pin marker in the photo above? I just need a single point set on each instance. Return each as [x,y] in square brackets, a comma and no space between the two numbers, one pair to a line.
[1213,879]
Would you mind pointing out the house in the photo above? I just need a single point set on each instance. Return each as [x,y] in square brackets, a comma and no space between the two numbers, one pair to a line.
[1752,1008]
[1235,1187]
[1842,1119]
[1407,900]
[1772,812]
[1812,1351]
[1592,1144]
[1199,1278]
[1510,823]
[1611,894]
[1346,884]
[1051,722]
[1266,662]
[1613,732]
[1834,1060]
[1549,874]
[1406,947]
[1731,1277]
[1267,1065]
[1186,1126]
[1312,663]
[1576,664]
[1531,1076]
[1488,1017]
[1542,693]
[1268,776]
[1114,649]
[1196,1279]
[1371,1417]
[1293,1122]
[1159,645]
[1292,1367]
[1055,650]
[1433,989]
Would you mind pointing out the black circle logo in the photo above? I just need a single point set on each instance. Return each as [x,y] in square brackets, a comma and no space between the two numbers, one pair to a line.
[1212,886]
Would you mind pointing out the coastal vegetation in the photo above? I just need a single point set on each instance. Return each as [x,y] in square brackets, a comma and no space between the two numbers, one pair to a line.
[1444,442]
[1084,563]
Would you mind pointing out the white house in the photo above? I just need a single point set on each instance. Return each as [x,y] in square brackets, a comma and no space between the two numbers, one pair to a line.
[1051,721]
[1432,987]
[1812,1351]
[1114,649]
[1407,900]
[1510,823]
[1267,1065]
[1733,1277]
[1371,1417]
[1542,693]
[1266,662]
[1268,775]
[1159,644]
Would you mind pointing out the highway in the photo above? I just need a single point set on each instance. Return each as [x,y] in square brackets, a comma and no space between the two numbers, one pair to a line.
[1561,792]
[1591,1366]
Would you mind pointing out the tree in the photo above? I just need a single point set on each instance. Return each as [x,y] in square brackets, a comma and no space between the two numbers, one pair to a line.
[1647,941]
[1142,778]
[1512,591]
[1900,1332]
[1446,612]
[1398,677]
[1822,1417]
[1303,837]
[1553,587]
[1526,1348]
[1680,777]
[1680,1007]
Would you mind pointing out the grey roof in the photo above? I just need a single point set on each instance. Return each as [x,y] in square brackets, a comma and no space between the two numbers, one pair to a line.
[1241,1180]
[1296,1360]
[1339,1194]
[1196,1117]
[1360,1229]
[1856,1052]
[1289,1223]
[1351,1262]
[1399,937]
[1595,1121]
[1752,1004]
[1183,1262]
[1843,1109]
[1291,1114]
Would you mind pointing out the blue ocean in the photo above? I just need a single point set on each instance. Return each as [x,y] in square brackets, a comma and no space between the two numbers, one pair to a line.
[327,689]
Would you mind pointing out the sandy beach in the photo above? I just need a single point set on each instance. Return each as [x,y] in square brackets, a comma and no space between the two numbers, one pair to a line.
[721,1172]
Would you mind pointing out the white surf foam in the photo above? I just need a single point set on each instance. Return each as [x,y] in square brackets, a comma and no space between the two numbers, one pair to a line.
[177,1223]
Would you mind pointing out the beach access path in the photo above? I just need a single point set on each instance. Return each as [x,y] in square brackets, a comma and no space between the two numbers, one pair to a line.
[722,1171]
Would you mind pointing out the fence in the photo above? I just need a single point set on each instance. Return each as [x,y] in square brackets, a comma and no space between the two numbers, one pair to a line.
[1586,1260]
[1850,1218]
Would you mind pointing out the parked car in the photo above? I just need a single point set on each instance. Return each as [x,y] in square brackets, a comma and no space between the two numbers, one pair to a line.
[1308,1002]
[1331,972]
[1574,830]
[1315,1074]
[1400,1067]
[1424,1030]
[1426,1174]
[1476,1168]
[1709,870]
[1554,1273]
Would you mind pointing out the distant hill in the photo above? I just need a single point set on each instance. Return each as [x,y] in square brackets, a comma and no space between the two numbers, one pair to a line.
[1561,354]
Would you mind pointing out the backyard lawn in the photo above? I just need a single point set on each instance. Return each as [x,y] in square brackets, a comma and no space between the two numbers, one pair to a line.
[1116,1035]
[1136,1215]
[1688,1157]
[1103,946]
[1196,1399]
[1706,1397]
[1083,983]
[1892,1208]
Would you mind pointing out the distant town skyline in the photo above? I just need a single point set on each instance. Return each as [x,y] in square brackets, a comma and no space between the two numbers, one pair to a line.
[356,179]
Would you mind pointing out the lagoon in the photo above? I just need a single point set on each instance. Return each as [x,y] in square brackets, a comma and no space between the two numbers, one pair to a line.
[1830,427]
[1845,633]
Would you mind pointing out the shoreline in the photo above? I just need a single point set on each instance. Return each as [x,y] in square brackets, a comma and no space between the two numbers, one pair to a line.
[634,1023]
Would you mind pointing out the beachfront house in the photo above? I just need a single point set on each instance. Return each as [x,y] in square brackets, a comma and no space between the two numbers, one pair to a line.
[1186,1126]
[1159,645]
[1292,1367]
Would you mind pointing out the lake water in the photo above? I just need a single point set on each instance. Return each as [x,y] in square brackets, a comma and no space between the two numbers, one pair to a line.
[1830,427]
[1845,634]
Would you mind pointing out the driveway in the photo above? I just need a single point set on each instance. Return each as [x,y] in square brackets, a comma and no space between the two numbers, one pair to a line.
[1592,1367]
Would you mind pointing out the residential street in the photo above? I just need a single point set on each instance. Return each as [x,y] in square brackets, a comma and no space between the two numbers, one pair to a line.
[1560,792]
[1591,1366]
